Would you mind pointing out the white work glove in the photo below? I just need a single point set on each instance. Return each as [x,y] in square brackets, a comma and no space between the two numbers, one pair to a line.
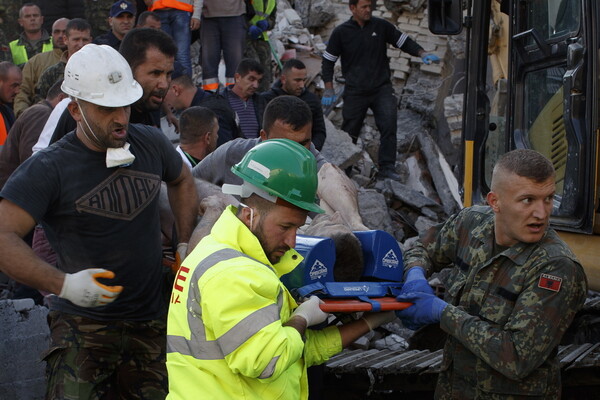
[311,312]
[82,288]
[377,319]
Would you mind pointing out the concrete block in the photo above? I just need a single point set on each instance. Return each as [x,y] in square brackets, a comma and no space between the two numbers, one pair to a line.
[406,27]
[26,337]
[435,69]
[393,53]
[399,75]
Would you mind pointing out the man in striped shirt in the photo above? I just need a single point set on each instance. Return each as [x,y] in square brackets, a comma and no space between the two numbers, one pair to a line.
[244,99]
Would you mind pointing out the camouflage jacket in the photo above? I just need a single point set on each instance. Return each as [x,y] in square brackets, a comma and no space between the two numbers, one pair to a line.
[507,311]
[50,76]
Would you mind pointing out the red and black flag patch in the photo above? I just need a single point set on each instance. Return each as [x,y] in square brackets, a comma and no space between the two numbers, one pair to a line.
[550,282]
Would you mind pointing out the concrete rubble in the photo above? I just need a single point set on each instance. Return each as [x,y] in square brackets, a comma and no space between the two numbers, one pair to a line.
[25,337]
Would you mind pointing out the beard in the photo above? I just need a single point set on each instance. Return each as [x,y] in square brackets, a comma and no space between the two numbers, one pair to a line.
[269,249]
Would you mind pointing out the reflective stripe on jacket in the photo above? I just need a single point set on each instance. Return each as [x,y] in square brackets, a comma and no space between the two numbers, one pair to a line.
[19,52]
[225,338]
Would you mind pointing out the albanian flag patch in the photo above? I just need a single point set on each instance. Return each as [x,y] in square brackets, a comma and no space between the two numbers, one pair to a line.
[550,282]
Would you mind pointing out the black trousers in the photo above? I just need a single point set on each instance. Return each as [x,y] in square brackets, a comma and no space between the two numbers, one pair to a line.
[385,108]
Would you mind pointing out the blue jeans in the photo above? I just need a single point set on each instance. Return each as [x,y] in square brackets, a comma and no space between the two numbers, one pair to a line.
[385,106]
[177,24]
[227,34]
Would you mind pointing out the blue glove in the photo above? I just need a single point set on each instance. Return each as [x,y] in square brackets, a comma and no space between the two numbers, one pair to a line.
[430,58]
[263,24]
[328,98]
[415,282]
[426,309]
[254,32]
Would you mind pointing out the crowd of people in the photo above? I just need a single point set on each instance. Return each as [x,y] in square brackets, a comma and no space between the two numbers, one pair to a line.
[90,187]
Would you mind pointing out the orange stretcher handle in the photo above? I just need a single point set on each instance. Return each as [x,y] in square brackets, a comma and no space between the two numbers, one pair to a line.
[352,305]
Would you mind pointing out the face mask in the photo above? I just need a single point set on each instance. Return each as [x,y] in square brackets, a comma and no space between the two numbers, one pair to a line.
[115,157]
[119,157]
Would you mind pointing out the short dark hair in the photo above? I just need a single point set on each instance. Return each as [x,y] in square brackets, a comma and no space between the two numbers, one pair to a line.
[289,110]
[184,80]
[263,206]
[78,24]
[54,90]
[195,122]
[352,2]
[145,15]
[28,5]
[526,163]
[249,64]
[292,63]
[138,40]
[5,67]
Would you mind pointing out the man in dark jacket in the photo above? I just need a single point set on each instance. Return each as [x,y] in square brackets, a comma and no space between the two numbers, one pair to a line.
[361,43]
[291,82]
[121,20]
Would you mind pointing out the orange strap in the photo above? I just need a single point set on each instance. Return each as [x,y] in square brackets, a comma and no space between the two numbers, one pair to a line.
[211,86]
[178,5]
[352,305]
[3,130]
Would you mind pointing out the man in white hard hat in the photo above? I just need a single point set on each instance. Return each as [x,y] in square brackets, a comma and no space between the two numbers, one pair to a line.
[95,192]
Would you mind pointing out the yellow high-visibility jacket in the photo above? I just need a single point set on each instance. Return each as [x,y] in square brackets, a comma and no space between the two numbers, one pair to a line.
[225,333]
[19,52]
[263,10]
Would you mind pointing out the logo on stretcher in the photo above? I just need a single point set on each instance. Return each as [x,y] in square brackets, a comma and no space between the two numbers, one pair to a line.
[390,260]
[318,270]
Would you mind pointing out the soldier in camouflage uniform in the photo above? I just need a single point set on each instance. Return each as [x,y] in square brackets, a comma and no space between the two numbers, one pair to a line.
[514,288]
[261,18]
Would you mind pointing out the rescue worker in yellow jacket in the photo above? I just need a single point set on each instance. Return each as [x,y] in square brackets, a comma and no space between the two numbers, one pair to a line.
[234,331]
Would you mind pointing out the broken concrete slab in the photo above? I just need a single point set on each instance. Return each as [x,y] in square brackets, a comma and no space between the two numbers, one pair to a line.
[292,17]
[338,148]
[374,210]
[443,180]
[419,178]
[410,124]
[411,197]
[314,13]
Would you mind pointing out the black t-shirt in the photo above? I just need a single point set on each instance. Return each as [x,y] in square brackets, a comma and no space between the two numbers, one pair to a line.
[98,217]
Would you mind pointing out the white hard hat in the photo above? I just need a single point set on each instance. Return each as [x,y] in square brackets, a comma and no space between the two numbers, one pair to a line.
[100,75]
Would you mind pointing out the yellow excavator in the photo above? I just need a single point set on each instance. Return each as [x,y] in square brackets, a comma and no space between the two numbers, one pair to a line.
[532,81]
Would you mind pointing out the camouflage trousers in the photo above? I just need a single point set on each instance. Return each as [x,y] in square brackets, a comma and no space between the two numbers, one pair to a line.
[261,52]
[90,359]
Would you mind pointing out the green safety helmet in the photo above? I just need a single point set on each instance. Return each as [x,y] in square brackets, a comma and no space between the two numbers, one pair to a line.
[278,168]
